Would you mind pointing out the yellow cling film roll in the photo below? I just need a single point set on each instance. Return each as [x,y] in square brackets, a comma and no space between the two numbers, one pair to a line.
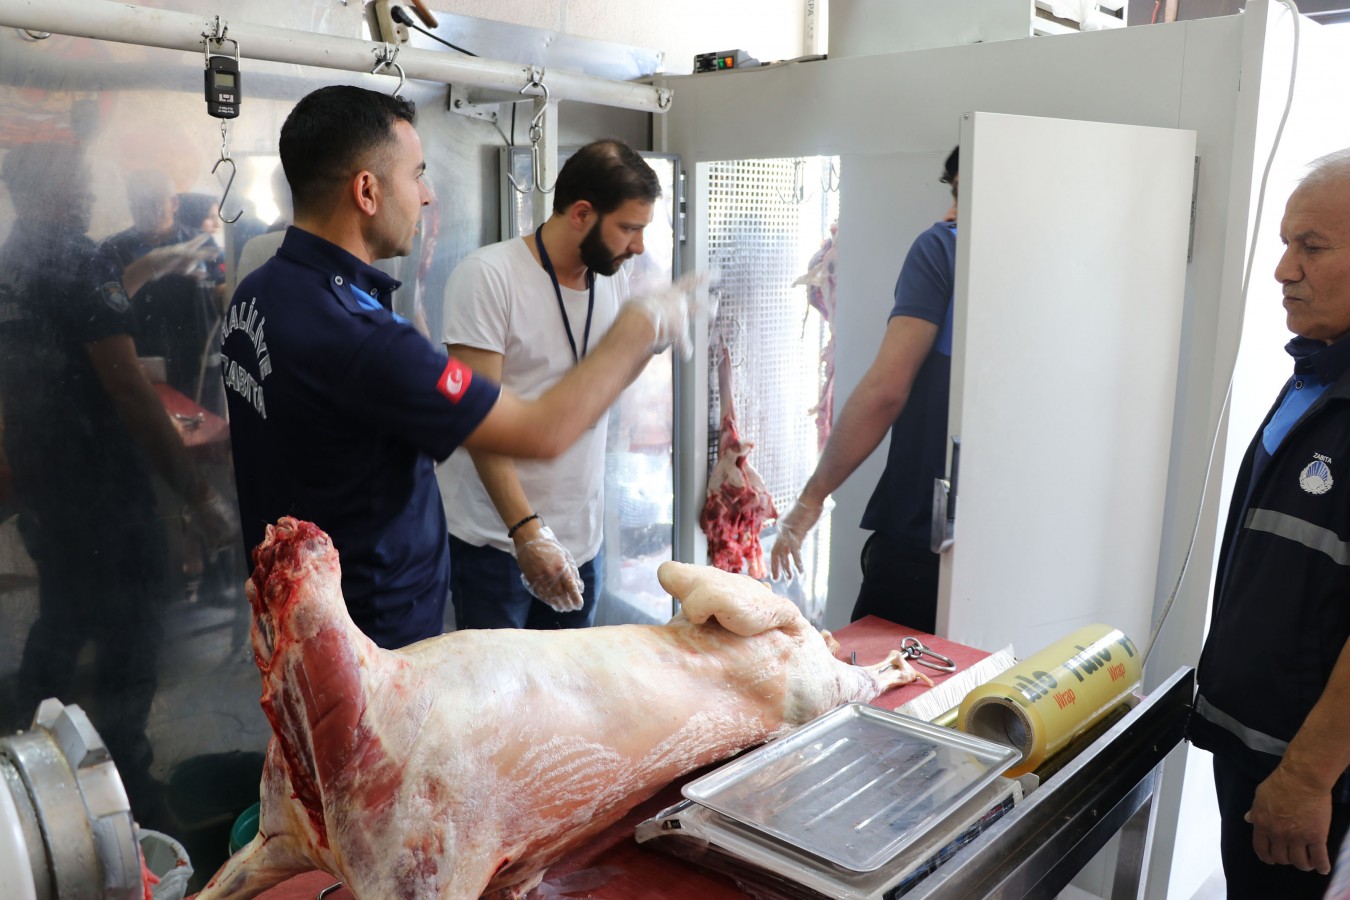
[1048,699]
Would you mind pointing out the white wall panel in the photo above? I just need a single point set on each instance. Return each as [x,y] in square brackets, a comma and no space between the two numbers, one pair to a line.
[1069,291]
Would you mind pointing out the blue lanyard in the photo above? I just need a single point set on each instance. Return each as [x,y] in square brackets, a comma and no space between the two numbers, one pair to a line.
[557,290]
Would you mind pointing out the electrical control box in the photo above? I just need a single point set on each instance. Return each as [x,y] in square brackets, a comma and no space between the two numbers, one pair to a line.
[726,59]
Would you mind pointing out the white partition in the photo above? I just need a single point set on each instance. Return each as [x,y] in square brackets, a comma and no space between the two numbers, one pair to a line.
[1069,299]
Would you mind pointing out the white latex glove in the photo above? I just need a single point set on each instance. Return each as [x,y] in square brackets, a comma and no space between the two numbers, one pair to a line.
[671,310]
[215,518]
[792,530]
[184,258]
[549,572]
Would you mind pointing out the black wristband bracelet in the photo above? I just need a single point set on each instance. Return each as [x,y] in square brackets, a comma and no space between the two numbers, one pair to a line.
[511,532]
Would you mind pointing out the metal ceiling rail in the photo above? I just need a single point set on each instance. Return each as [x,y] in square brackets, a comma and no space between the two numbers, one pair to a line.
[127,24]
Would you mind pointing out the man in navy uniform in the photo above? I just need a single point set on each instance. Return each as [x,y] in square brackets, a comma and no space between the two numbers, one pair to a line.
[905,390]
[339,408]
[1273,703]
[83,432]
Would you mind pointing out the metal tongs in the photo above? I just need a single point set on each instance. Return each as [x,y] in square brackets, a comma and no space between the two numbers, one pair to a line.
[913,649]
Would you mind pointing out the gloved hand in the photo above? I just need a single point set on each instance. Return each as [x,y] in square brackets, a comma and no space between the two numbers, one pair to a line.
[671,311]
[549,572]
[215,519]
[184,258]
[792,530]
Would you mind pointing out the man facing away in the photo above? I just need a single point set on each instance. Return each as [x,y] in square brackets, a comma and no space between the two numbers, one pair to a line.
[525,537]
[906,390]
[340,408]
[1278,723]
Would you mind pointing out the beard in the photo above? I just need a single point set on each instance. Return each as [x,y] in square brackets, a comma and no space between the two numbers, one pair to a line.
[596,256]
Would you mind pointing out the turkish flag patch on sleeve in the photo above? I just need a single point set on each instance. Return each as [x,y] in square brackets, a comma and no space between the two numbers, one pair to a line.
[455,380]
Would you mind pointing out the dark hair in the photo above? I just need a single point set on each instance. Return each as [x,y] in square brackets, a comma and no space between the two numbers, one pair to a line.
[30,169]
[331,134]
[192,210]
[606,174]
[951,168]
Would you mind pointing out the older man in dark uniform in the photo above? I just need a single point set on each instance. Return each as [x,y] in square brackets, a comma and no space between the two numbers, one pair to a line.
[1274,680]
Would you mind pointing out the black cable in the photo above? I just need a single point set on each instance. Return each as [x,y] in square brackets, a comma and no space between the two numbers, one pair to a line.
[400,15]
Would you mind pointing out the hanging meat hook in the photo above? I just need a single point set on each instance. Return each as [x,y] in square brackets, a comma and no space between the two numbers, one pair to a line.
[536,137]
[798,194]
[386,57]
[225,158]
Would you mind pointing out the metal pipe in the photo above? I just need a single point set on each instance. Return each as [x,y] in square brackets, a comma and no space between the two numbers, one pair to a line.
[123,23]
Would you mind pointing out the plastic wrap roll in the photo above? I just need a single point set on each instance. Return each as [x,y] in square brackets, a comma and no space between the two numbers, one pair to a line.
[1048,699]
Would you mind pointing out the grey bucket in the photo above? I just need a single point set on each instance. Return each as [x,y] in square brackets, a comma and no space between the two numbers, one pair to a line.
[169,862]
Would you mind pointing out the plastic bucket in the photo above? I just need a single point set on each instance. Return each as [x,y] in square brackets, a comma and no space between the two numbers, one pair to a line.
[168,861]
[245,828]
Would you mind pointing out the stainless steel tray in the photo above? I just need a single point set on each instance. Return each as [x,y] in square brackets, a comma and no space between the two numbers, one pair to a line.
[855,786]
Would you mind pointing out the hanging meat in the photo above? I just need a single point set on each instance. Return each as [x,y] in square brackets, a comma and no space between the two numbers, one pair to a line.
[820,295]
[738,503]
[464,765]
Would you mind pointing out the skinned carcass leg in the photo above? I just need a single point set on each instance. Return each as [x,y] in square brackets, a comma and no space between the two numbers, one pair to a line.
[276,853]
[895,670]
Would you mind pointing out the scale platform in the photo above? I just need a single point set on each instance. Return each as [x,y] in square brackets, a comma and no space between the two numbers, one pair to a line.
[861,803]
[1031,849]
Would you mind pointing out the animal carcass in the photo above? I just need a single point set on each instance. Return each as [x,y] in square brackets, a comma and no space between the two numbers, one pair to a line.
[738,503]
[466,764]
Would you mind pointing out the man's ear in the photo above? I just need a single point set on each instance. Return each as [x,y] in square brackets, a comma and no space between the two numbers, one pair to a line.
[365,189]
[581,215]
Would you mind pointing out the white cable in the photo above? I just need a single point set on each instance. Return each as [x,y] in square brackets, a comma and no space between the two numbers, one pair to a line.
[1228,393]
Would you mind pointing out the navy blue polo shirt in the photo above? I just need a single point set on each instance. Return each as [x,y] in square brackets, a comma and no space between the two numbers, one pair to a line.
[901,507]
[339,410]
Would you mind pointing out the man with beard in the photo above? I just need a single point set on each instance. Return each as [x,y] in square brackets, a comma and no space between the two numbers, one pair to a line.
[525,536]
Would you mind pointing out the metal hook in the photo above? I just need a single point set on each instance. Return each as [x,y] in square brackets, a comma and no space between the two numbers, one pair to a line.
[830,182]
[385,57]
[913,648]
[536,136]
[217,35]
[225,158]
[798,184]
[328,890]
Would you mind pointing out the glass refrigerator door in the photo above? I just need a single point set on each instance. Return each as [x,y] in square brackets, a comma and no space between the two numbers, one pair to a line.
[639,478]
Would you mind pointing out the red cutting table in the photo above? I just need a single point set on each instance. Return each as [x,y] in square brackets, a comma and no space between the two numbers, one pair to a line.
[196,426]
[612,866]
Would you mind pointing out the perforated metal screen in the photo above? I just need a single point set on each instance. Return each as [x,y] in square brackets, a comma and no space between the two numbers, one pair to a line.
[766,218]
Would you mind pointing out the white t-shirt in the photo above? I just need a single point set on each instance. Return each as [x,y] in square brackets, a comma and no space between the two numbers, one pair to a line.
[501,299]
[259,249]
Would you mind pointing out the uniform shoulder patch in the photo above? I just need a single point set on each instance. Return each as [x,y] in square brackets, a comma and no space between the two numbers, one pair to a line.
[114,296]
[454,380]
